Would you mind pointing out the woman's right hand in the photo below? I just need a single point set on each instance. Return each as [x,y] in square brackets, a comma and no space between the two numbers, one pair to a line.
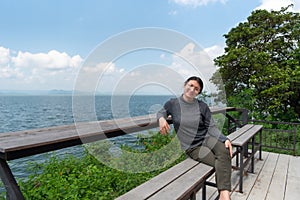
[164,127]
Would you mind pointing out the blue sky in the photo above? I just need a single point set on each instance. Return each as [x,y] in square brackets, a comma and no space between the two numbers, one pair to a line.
[44,44]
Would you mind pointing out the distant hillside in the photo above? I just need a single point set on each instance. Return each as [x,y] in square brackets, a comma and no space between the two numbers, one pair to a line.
[36,92]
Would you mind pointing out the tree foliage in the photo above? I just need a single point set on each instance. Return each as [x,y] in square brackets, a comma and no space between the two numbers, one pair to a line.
[261,63]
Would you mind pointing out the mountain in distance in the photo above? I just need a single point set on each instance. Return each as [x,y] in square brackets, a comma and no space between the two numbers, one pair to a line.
[36,92]
[48,92]
[62,92]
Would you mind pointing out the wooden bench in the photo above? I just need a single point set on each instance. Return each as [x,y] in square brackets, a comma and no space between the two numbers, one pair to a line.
[185,179]
[181,181]
[241,139]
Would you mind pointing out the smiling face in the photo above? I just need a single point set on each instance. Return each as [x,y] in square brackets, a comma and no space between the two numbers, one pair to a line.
[191,90]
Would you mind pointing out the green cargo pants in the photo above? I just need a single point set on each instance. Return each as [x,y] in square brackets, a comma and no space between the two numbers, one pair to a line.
[214,153]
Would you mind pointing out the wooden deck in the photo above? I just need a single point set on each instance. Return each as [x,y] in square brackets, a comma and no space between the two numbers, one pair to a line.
[276,177]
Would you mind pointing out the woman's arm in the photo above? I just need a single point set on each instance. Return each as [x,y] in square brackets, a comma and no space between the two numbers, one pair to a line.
[164,127]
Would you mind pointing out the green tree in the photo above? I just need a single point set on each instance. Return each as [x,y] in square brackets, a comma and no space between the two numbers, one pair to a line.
[262,58]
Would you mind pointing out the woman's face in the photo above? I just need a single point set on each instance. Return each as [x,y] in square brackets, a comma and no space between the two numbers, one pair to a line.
[191,89]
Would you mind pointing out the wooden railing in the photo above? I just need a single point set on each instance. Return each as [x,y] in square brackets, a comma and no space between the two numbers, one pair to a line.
[25,143]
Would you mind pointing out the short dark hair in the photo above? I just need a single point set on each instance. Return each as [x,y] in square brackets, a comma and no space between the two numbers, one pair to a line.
[195,78]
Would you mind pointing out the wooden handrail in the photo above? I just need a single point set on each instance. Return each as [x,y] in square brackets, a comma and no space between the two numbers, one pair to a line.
[24,143]
[20,144]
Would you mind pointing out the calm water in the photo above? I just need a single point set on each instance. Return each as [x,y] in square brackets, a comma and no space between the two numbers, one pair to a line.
[29,112]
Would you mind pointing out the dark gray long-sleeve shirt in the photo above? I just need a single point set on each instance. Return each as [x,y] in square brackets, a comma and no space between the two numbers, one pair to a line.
[192,121]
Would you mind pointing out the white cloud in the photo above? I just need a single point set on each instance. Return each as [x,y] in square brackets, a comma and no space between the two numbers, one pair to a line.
[25,70]
[101,76]
[4,56]
[214,51]
[107,68]
[162,56]
[196,3]
[151,78]
[192,61]
[52,60]
[56,70]
[10,73]
[278,4]
[173,12]
[145,79]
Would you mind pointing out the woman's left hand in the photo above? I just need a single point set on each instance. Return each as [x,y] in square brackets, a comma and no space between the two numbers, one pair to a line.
[229,147]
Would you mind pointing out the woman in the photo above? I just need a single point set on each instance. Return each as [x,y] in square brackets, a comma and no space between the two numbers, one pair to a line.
[198,135]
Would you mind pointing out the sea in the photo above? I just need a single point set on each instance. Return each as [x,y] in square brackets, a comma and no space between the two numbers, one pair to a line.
[25,112]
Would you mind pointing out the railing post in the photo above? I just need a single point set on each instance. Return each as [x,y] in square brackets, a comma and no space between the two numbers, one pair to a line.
[245,116]
[13,191]
[245,119]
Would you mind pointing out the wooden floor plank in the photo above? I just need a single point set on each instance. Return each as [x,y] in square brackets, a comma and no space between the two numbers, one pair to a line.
[276,177]
[278,183]
[250,179]
[259,190]
[293,181]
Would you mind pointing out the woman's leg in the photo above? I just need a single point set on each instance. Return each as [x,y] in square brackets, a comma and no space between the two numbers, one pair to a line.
[214,153]
[222,162]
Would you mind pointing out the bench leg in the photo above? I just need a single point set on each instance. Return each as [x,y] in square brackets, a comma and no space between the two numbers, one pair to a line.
[260,144]
[252,155]
[237,159]
[204,192]
[241,153]
[193,196]
[13,191]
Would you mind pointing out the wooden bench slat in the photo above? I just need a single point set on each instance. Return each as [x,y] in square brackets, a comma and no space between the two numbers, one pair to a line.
[239,132]
[244,138]
[185,184]
[158,182]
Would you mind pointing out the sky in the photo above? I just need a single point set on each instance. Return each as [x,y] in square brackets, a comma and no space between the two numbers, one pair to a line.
[116,46]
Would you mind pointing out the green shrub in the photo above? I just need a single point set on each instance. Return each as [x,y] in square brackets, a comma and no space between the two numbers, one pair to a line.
[86,178]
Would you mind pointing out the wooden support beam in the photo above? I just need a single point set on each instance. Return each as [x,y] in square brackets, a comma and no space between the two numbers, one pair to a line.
[12,189]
